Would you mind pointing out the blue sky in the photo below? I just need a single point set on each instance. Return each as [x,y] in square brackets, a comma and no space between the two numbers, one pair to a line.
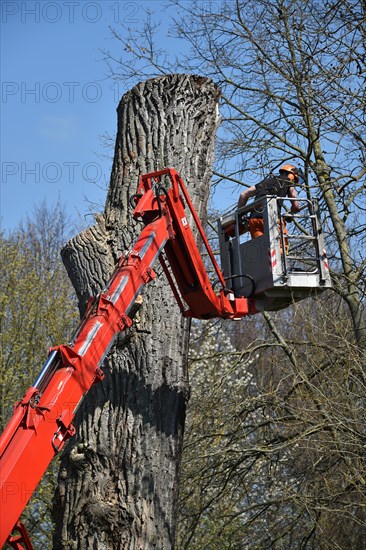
[57,102]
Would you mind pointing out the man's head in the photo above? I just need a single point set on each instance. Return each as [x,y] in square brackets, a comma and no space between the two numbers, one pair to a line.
[291,172]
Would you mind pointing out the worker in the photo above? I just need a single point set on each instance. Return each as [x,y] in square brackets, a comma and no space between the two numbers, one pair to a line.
[282,185]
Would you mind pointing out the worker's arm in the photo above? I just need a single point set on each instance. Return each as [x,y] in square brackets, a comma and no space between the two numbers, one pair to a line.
[294,204]
[246,195]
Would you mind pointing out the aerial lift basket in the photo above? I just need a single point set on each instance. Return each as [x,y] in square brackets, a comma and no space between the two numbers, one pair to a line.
[262,267]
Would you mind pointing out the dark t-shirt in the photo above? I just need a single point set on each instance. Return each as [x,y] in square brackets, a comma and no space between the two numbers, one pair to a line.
[273,185]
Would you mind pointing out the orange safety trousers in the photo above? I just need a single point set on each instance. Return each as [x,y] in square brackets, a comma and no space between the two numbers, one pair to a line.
[256,229]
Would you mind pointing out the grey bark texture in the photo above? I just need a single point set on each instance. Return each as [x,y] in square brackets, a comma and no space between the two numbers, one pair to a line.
[118,480]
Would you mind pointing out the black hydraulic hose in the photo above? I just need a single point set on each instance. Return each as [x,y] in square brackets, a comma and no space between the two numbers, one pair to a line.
[133,201]
[237,277]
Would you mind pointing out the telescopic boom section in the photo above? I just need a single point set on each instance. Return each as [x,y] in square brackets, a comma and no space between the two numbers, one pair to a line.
[42,420]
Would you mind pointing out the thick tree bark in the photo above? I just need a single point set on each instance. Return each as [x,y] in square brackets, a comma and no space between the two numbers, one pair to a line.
[118,479]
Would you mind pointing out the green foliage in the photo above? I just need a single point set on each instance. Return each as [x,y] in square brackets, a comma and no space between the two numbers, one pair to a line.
[38,310]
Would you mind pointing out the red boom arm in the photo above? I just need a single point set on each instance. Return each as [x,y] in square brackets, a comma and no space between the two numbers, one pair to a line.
[42,420]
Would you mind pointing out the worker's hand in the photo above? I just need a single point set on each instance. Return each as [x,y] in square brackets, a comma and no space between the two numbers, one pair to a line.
[288,217]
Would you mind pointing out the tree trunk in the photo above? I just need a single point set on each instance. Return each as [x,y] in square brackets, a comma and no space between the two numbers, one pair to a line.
[118,479]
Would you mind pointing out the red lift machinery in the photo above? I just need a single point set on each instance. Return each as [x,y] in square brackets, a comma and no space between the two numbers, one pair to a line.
[42,420]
